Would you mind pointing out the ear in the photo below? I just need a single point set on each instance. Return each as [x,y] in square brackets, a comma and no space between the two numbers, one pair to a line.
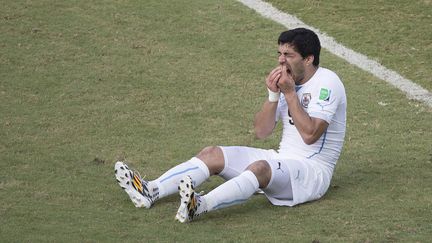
[309,60]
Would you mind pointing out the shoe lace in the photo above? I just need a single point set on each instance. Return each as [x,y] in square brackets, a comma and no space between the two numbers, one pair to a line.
[139,175]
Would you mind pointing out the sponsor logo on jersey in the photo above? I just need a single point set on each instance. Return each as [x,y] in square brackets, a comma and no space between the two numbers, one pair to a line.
[324,94]
[279,168]
[306,98]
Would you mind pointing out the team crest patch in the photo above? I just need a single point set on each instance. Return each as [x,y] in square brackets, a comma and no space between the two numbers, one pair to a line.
[305,100]
[324,94]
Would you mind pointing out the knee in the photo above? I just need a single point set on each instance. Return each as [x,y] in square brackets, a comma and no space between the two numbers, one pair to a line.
[262,171]
[209,151]
[213,157]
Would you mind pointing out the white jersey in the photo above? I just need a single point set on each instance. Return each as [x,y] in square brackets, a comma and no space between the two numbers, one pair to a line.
[323,96]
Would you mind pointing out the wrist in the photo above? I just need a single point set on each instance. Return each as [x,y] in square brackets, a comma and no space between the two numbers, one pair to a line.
[290,96]
[273,96]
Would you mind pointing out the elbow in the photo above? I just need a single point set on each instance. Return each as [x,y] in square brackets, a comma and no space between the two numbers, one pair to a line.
[260,133]
[310,139]
[311,135]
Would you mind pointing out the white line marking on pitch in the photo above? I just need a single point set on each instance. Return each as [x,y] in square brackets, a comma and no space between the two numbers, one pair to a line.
[411,89]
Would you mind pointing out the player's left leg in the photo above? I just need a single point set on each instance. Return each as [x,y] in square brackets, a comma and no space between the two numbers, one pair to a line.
[235,191]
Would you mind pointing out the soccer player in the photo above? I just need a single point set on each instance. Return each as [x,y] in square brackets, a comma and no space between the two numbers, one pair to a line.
[310,102]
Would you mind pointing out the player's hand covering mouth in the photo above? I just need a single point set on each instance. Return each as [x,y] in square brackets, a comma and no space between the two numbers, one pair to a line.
[288,69]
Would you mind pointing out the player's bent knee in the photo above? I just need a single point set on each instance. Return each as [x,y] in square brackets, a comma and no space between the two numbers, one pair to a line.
[213,157]
[259,167]
[209,152]
[262,171]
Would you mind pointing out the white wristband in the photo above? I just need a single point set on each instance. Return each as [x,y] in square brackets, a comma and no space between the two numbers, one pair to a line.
[273,96]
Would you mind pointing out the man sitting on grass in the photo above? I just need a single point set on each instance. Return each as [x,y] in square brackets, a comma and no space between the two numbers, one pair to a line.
[310,102]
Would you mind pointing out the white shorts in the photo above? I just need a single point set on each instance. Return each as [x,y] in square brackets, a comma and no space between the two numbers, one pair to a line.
[292,181]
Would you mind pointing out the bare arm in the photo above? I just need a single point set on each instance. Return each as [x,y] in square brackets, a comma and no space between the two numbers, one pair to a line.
[310,128]
[265,118]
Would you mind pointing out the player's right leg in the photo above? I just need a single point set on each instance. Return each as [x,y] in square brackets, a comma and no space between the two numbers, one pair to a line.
[144,193]
[233,192]
[245,170]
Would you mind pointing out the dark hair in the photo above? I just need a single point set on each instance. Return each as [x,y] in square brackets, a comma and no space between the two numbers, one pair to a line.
[304,41]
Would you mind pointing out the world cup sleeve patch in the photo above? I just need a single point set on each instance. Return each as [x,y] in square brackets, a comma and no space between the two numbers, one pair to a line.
[324,94]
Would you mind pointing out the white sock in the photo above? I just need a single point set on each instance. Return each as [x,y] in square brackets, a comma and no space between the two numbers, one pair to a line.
[168,183]
[235,191]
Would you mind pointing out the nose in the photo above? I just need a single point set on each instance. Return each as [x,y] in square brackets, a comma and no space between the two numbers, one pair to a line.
[282,59]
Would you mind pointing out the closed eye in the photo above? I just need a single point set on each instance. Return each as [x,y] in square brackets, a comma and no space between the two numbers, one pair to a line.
[286,54]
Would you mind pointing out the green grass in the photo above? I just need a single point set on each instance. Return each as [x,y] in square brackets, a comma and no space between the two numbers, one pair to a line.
[86,82]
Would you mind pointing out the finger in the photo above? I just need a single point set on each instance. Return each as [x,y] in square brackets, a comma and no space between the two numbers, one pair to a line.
[284,70]
[271,74]
[277,69]
[275,75]
[276,80]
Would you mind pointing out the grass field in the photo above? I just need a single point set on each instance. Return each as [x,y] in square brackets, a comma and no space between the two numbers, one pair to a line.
[84,83]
